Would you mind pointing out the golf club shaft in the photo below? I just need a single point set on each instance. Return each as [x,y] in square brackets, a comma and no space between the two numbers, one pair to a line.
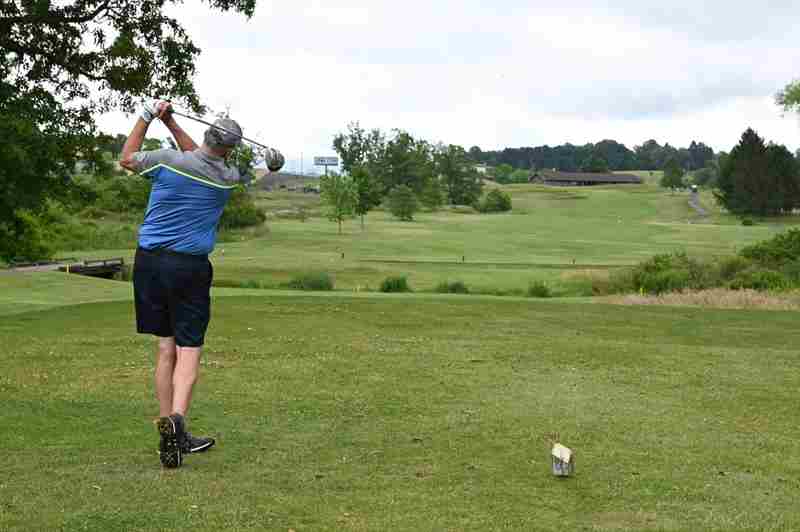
[196,119]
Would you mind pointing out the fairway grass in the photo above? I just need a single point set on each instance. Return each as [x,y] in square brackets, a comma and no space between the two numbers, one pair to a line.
[405,412]
[559,236]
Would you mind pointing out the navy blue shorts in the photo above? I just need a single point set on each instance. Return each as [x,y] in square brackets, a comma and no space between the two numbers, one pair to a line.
[173,295]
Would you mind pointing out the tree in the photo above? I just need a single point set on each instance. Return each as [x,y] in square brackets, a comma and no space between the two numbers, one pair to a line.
[648,155]
[339,194]
[502,173]
[742,178]
[708,175]
[476,154]
[673,175]
[616,155]
[361,153]
[496,201]
[595,164]
[402,203]
[789,97]
[368,191]
[520,176]
[462,182]
[404,161]
[783,176]
[357,147]
[431,196]
[61,62]
[699,155]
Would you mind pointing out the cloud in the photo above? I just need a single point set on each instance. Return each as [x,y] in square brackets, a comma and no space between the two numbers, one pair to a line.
[514,73]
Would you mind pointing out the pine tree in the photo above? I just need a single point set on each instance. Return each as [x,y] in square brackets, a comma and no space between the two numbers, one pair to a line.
[743,181]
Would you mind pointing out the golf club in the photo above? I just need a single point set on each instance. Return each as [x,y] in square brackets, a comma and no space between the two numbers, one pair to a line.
[273,157]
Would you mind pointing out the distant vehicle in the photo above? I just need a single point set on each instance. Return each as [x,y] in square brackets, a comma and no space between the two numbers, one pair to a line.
[694,189]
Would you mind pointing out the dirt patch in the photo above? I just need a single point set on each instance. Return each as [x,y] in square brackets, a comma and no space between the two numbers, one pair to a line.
[715,298]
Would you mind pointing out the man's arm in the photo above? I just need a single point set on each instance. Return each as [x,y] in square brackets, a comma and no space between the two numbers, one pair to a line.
[131,158]
[182,139]
[132,145]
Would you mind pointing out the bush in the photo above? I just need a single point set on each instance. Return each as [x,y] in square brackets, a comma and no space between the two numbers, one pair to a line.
[673,273]
[496,201]
[729,267]
[777,251]
[25,238]
[452,287]
[317,281]
[748,222]
[395,284]
[539,289]
[402,203]
[791,270]
[241,211]
[759,279]
[93,213]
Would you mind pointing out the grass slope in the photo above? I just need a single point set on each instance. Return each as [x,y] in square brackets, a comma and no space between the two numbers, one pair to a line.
[407,413]
[553,235]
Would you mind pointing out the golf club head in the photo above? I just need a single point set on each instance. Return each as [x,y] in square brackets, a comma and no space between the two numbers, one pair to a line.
[274,160]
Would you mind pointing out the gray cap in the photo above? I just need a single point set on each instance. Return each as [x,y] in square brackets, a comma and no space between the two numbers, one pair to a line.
[226,134]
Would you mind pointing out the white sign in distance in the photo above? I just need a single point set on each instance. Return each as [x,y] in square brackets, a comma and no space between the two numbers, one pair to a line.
[326,161]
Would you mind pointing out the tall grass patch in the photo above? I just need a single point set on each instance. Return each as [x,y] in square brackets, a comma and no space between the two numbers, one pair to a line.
[395,284]
[452,287]
[312,281]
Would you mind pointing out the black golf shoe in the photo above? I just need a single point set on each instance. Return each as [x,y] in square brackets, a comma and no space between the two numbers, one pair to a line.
[196,445]
[173,437]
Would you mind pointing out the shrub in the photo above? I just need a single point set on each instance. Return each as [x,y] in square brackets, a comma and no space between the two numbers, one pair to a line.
[93,213]
[463,209]
[539,289]
[671,273]
[241,211]
[452,287]
[759,279]
[402,203]
[729,267]
[317,281]
[25,238]
[748,222]
[496,201]
[791,270]
[395,284]
[782,248]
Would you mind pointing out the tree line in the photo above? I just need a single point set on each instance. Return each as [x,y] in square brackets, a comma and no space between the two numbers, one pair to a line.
[378,165]
[607,155]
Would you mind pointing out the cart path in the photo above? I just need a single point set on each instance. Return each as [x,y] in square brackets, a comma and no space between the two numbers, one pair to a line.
[694,203]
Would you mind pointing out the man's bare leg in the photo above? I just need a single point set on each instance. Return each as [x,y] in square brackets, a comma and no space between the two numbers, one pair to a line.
[184,376]
[165,367]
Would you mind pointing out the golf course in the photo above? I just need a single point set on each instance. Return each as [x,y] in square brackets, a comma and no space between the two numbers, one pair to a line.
[353,409]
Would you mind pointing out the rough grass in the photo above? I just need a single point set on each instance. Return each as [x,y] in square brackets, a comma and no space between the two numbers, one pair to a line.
[715,298]
[397,412]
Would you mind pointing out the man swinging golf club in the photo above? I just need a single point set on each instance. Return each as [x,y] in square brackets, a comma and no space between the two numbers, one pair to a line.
[172,274]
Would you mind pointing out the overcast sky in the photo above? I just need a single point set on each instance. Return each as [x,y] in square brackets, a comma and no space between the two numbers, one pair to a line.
[498,74]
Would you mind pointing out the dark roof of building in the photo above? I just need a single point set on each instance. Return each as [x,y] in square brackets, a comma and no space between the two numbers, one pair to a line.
[586,177]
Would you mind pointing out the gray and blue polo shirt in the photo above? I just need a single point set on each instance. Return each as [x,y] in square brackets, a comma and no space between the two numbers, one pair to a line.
[189,192]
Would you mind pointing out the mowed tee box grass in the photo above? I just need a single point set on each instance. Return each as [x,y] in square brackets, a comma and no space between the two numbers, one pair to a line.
[405,412]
